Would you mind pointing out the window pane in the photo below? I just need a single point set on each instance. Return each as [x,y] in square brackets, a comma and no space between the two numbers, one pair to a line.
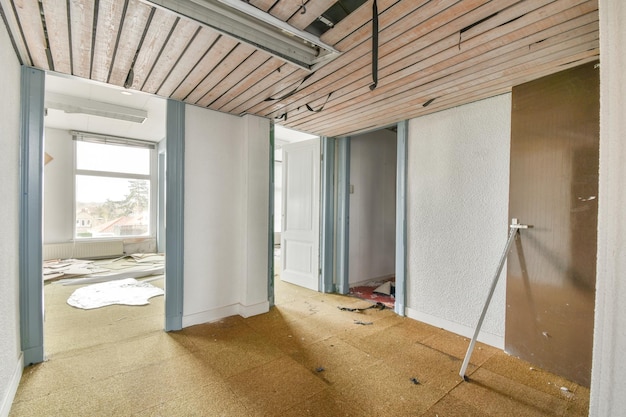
[110,207]
[112,158]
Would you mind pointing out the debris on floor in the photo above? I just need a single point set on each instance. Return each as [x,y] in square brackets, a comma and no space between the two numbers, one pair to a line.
[126,291]
[386,288]
[377,306]
[363,323]
[566,392]
[376,291]
[415,381]
[75,271]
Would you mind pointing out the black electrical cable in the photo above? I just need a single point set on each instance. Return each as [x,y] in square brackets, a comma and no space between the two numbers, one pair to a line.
[374,45]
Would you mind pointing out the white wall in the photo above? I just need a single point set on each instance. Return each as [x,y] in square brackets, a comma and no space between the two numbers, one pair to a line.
[10,350]
[372,206]
[608,374]
[226,215]
[458,188]
[58,194]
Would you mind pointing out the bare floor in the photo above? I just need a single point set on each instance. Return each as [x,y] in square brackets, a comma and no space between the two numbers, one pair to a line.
[305,357]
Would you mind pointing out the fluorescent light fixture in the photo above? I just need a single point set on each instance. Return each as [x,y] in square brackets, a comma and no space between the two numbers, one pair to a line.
[70,104]
[111,140]
[246,23]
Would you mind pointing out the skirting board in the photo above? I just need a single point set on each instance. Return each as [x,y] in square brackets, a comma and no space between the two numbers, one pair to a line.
[370,280]
[226,311]
[7,401]
[483,337]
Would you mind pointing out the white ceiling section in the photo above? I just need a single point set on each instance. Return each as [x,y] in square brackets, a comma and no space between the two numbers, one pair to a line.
[432,55]
[99,108]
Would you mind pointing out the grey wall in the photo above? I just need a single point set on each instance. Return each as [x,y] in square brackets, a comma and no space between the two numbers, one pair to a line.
[10,351]
[458,189]
[372,206]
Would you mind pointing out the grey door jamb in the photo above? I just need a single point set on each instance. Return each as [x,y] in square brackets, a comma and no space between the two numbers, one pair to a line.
[343,215]
[270,249]
[174,214]
[31,214]
[401,233]
[327,239]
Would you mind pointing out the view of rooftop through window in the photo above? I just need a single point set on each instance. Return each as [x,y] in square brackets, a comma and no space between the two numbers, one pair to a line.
[112,190]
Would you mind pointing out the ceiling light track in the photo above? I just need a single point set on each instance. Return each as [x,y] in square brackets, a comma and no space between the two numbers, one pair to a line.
[248,24]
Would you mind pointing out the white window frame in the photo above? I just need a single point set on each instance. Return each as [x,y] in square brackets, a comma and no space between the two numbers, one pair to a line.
[152,178]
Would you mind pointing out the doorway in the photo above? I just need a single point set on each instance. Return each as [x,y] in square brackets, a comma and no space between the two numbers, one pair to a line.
[119,216]
[372,214]
[288,143]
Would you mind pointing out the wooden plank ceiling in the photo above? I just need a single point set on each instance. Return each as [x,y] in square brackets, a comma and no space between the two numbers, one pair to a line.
[432,55]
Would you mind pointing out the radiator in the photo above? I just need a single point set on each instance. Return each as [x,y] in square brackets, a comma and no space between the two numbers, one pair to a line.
[83,250]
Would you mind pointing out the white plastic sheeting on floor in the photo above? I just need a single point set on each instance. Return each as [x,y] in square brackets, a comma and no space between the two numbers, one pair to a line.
[125,291]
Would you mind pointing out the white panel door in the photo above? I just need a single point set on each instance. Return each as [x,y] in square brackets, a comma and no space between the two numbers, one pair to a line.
[300,239]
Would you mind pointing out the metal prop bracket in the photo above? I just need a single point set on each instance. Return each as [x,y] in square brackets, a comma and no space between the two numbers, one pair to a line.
[515,227]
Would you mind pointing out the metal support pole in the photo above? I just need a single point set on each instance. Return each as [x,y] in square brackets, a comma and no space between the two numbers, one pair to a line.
[515,227]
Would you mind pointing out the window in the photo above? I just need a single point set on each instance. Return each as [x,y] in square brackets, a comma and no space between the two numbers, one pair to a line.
[113,190]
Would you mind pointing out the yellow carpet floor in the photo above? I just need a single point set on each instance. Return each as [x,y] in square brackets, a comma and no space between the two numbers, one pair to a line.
[306,357]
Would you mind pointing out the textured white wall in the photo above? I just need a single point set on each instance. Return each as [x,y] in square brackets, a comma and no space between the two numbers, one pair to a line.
[58,196]
[10,351]
[458,187]
[608,375]
[223,181]
[372,206]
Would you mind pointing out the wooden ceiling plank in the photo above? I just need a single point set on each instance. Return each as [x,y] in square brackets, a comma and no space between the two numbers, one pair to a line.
[284,9]
[245,86]
[108,26]
[503,17]
[402,16]
[447,85]
[313,9]
[479,92]
[339,67]
[264,5]
[205,66]
[81,21]
[490,38]
[188,61]
[439,18]
[498,57]
[135,21]
[228,84]
[441,69]
[431,38]
[447,60]
[29,17]
[503,77]
[267,88]
[13,27]
[176,45]
[159,30]
[491,76]
[230,61]
[57,26]
[475,93]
